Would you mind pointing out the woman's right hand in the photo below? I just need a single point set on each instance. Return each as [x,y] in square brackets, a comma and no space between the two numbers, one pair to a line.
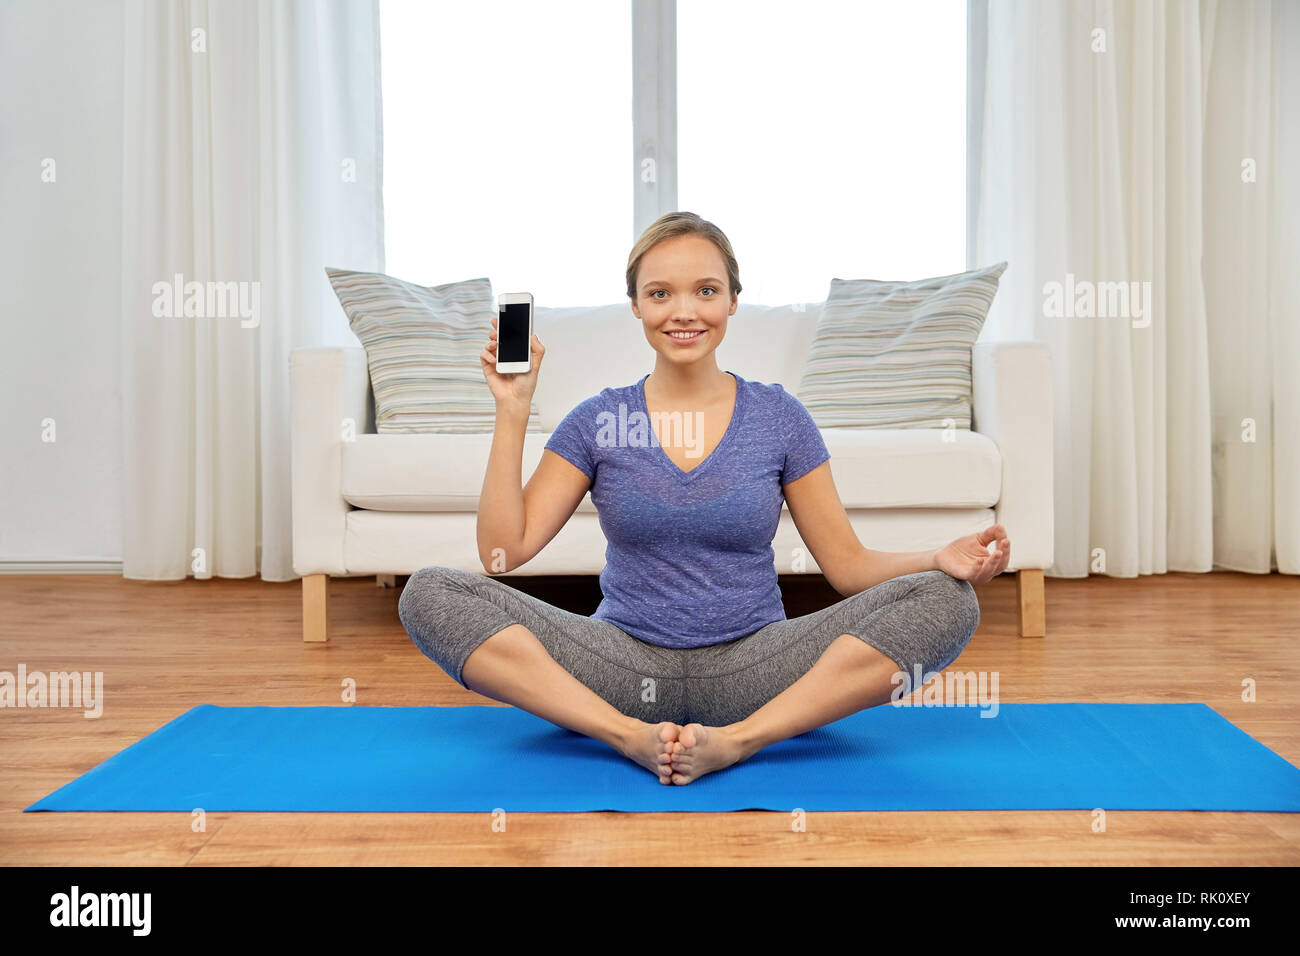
[511,388]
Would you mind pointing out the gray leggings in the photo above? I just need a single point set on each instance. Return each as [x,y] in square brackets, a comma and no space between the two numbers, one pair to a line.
[925,618]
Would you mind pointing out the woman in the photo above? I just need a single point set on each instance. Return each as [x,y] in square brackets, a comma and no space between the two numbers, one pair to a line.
[689,664]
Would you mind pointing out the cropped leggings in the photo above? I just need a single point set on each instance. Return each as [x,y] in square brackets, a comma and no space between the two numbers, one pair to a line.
[925,618]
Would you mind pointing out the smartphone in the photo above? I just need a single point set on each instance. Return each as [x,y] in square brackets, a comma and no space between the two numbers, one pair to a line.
[515,332]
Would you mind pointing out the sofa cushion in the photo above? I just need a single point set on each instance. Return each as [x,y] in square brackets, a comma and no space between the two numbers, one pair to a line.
[897,354]
[872,468]
[422,349]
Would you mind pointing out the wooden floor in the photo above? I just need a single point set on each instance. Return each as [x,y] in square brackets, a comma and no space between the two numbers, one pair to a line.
[166,647]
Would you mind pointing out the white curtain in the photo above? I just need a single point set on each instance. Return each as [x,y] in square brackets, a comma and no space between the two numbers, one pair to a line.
[1151,142]
[252,161]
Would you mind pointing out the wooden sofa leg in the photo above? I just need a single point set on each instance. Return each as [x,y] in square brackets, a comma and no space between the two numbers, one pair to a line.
[386,580]
[1030,599]
[315,607]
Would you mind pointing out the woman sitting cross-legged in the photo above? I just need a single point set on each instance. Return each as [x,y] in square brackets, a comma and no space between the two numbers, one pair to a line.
[689,664]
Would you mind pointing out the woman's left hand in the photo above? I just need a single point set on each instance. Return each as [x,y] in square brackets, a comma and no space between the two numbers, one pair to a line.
[970,559]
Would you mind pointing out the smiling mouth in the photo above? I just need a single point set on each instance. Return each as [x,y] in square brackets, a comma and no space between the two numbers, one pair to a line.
[687,338]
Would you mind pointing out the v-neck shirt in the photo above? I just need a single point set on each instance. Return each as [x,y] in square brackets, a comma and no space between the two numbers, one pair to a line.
[675,427]
[688,558]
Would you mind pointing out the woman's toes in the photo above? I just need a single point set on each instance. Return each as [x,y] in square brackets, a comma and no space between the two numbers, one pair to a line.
[705,750]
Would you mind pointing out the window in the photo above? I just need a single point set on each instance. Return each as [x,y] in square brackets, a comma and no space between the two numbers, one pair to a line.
[507,145]
[825,138]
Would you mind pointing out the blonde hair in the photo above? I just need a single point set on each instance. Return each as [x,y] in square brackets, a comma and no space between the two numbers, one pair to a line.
[670,226]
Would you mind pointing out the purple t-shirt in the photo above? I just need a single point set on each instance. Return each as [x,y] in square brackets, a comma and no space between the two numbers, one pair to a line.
[689,559]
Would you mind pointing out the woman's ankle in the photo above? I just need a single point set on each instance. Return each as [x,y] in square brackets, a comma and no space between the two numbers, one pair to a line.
[625,731]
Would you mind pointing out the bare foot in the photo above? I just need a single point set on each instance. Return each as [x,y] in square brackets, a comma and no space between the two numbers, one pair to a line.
[650,745]
[700,750]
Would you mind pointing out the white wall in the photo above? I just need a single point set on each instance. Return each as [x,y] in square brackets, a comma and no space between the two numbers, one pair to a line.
[60,251]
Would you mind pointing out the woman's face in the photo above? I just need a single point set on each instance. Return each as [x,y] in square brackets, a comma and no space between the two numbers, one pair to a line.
[682,286]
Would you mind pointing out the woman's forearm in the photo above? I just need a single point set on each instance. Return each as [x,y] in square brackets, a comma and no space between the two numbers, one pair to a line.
[500,527]
[876,567]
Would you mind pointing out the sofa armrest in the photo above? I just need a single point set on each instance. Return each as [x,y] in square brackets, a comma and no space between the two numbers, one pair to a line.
[1012,386]
[327,386]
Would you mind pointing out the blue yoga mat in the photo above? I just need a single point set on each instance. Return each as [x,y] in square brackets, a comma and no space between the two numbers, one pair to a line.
[480,758]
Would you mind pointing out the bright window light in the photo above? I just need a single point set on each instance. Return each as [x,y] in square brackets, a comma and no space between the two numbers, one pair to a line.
[508,145]
[826,139]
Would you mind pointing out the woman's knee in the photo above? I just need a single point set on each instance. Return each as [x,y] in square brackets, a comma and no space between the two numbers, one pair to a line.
[423,594]
[954,598]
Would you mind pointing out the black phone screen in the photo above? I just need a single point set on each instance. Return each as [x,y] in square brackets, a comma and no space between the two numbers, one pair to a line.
[512,332]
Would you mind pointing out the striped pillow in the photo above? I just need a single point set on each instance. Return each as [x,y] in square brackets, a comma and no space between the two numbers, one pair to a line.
[897,354]
[422,348]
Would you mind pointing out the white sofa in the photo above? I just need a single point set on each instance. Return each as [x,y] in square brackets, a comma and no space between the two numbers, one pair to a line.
[391,504]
